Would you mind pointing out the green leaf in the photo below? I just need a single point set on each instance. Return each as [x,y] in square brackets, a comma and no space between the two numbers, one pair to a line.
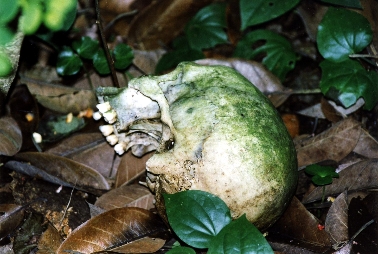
[68,62]
[322,175]
[347,81]
[258,11]
[182,52]
[100,63]
[345,3]
[8,10]
[86,47]
[181,250]
[60,15]
[5,65]
[341,33]
[6,35]
[196,216]
[31,17]
[206,28]
[240,236]
[70,16]
[280,57]
[123,56]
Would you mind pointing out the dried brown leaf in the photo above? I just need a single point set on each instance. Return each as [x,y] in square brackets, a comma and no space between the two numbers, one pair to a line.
[63,99]
[332,144]
[144,245]
[112,229]
[161,21]
[127,195]
[330,112]
[74,173]
[10,136]
[130,168]
[359,176]
[11,216]
[49,241]
[257,74]
[367,145]
[336,223]
[298,224]
[311,13]
[90,149]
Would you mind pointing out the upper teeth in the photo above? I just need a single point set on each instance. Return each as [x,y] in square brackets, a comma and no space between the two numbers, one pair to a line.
[110,116]
[103,107]
[106,130]
[96,115]
[120,148]
[112,139]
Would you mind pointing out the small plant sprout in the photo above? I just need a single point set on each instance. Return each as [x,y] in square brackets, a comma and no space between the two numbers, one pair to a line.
[322,175]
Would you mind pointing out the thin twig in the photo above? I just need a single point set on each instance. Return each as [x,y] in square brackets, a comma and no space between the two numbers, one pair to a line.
[362,55]
[105,45]
[65,210]
[120,16]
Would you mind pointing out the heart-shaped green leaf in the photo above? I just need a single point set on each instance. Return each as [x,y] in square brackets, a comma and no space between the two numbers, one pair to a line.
[347,81]
[322,175]
[206,28]
[196,216]
[68,62]
[123,56]
[86,47]
[258,11]
[31,17]
[280,57]
[100,63]
[240,236]
[341,33]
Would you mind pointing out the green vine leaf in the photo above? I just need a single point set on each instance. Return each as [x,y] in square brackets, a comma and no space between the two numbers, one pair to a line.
[341,33]
[240,236]
[123,56]
[86,47]
[322,175]
[347,81]
[8,10]
[68,62]
[280,57]
[100,63]
[181,250]
[196,216]
[31,18]
[206,28]
[259,11]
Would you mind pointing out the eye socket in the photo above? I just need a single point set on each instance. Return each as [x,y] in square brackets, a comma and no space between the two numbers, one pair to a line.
[169,144]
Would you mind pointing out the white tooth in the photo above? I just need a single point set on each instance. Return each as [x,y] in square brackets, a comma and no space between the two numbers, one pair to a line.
[103,107]
[106,130]
[119,148]
[96,115]
[110,116]
[112,139]
[37,137]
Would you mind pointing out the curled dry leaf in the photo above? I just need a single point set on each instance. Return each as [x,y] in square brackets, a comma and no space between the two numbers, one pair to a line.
[10,136]
[332,144]
[90,149]
[299,224]
[359,176]
[336,223]
[74,173]
[11,216]
[127,195]
[112,229]
[161,21]
[258,75]
[63,99]
[366,145]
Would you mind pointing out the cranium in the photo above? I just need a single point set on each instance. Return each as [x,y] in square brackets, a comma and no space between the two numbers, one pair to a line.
[213,131]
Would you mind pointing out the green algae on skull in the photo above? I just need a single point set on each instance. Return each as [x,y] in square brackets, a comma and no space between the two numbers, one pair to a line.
[213,131]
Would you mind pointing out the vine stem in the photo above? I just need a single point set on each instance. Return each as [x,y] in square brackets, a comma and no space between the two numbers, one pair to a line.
[105,45]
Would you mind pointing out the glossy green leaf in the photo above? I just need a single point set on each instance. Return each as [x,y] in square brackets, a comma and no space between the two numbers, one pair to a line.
[123,56]
[5,65]
[196,216]
[86,47]
[206,28]
[182,52]
[6,35]
[8,10]
[68,62]
[60,15]
[258,11]
[181,250]
[345,3]
[70,16]
[240,236]
[322,175]
[347,81]
[100,63]
[279,57]
[341,33]
[31,17]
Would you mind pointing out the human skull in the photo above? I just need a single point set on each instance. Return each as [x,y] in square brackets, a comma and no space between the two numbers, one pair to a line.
[213,131]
